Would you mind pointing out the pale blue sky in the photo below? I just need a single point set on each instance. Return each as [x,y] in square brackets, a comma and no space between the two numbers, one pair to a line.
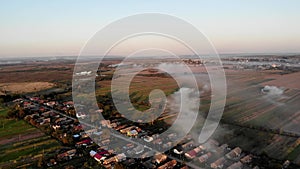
[61,27]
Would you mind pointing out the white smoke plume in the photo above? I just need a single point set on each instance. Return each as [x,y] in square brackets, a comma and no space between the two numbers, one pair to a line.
[273,94]
[272,90]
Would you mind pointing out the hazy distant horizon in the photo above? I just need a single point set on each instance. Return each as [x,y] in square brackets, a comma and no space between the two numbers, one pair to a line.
[166,56]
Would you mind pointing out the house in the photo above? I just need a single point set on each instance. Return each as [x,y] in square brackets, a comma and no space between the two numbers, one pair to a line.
[103,151]
[34,98]
[78,127]
[188,144]
[120,127]
[158,141]
[237,165]
[204,157]
[91,131]
[246,159]
[51,162]
[50,104]
[28,105]
[188,137]
[98,157]
[18,100]
[84,142]
[42,109]
[60,119]
[193,153]
[159,158]
[213,142]
[148,139]
[46,114]
[286,164]
[110,160]
[105,123]
[45,121]
[67,155]
[104,147]
[41,101]
[177,150]
[138,129]
[168,165]
[69,104]
[81,115]
[155,136]
[93,153]
[55,126]
[132,133]
[121,157]
[236,152]
[125,130]
[113,125]
[218,163]
[54,115]
[76,136]
[71,152]
[222,148]
[172,136]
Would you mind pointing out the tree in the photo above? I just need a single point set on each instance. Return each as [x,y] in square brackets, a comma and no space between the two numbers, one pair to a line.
[1,101]
[32,122]
[12,112]
[21,114]
[67,140]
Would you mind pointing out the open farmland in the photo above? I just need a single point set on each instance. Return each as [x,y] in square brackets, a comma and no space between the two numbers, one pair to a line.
[273,117]
[21,143]
[27,148]
[246,104]
[24,87]
[143,85]
[260,142]
[52,71]
[12,129]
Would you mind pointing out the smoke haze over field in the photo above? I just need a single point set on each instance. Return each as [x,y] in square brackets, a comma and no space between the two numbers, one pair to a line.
[273,94]
[272,90]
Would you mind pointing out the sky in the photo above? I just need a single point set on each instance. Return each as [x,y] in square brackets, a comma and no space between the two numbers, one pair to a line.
[62,27]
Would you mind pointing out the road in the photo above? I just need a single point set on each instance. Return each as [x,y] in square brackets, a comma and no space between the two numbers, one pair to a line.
[115,135]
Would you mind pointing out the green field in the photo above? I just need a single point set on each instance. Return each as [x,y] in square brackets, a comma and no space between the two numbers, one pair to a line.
[27,148]
[18,149]
[294,154]
[12,127]
[3,111]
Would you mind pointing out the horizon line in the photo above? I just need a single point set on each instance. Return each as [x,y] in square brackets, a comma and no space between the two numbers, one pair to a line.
[220,54]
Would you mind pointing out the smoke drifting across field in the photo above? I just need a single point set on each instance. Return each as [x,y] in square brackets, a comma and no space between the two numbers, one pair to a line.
[273,94]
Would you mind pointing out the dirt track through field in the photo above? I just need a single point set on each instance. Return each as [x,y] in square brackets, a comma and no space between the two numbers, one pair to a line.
[21,137]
